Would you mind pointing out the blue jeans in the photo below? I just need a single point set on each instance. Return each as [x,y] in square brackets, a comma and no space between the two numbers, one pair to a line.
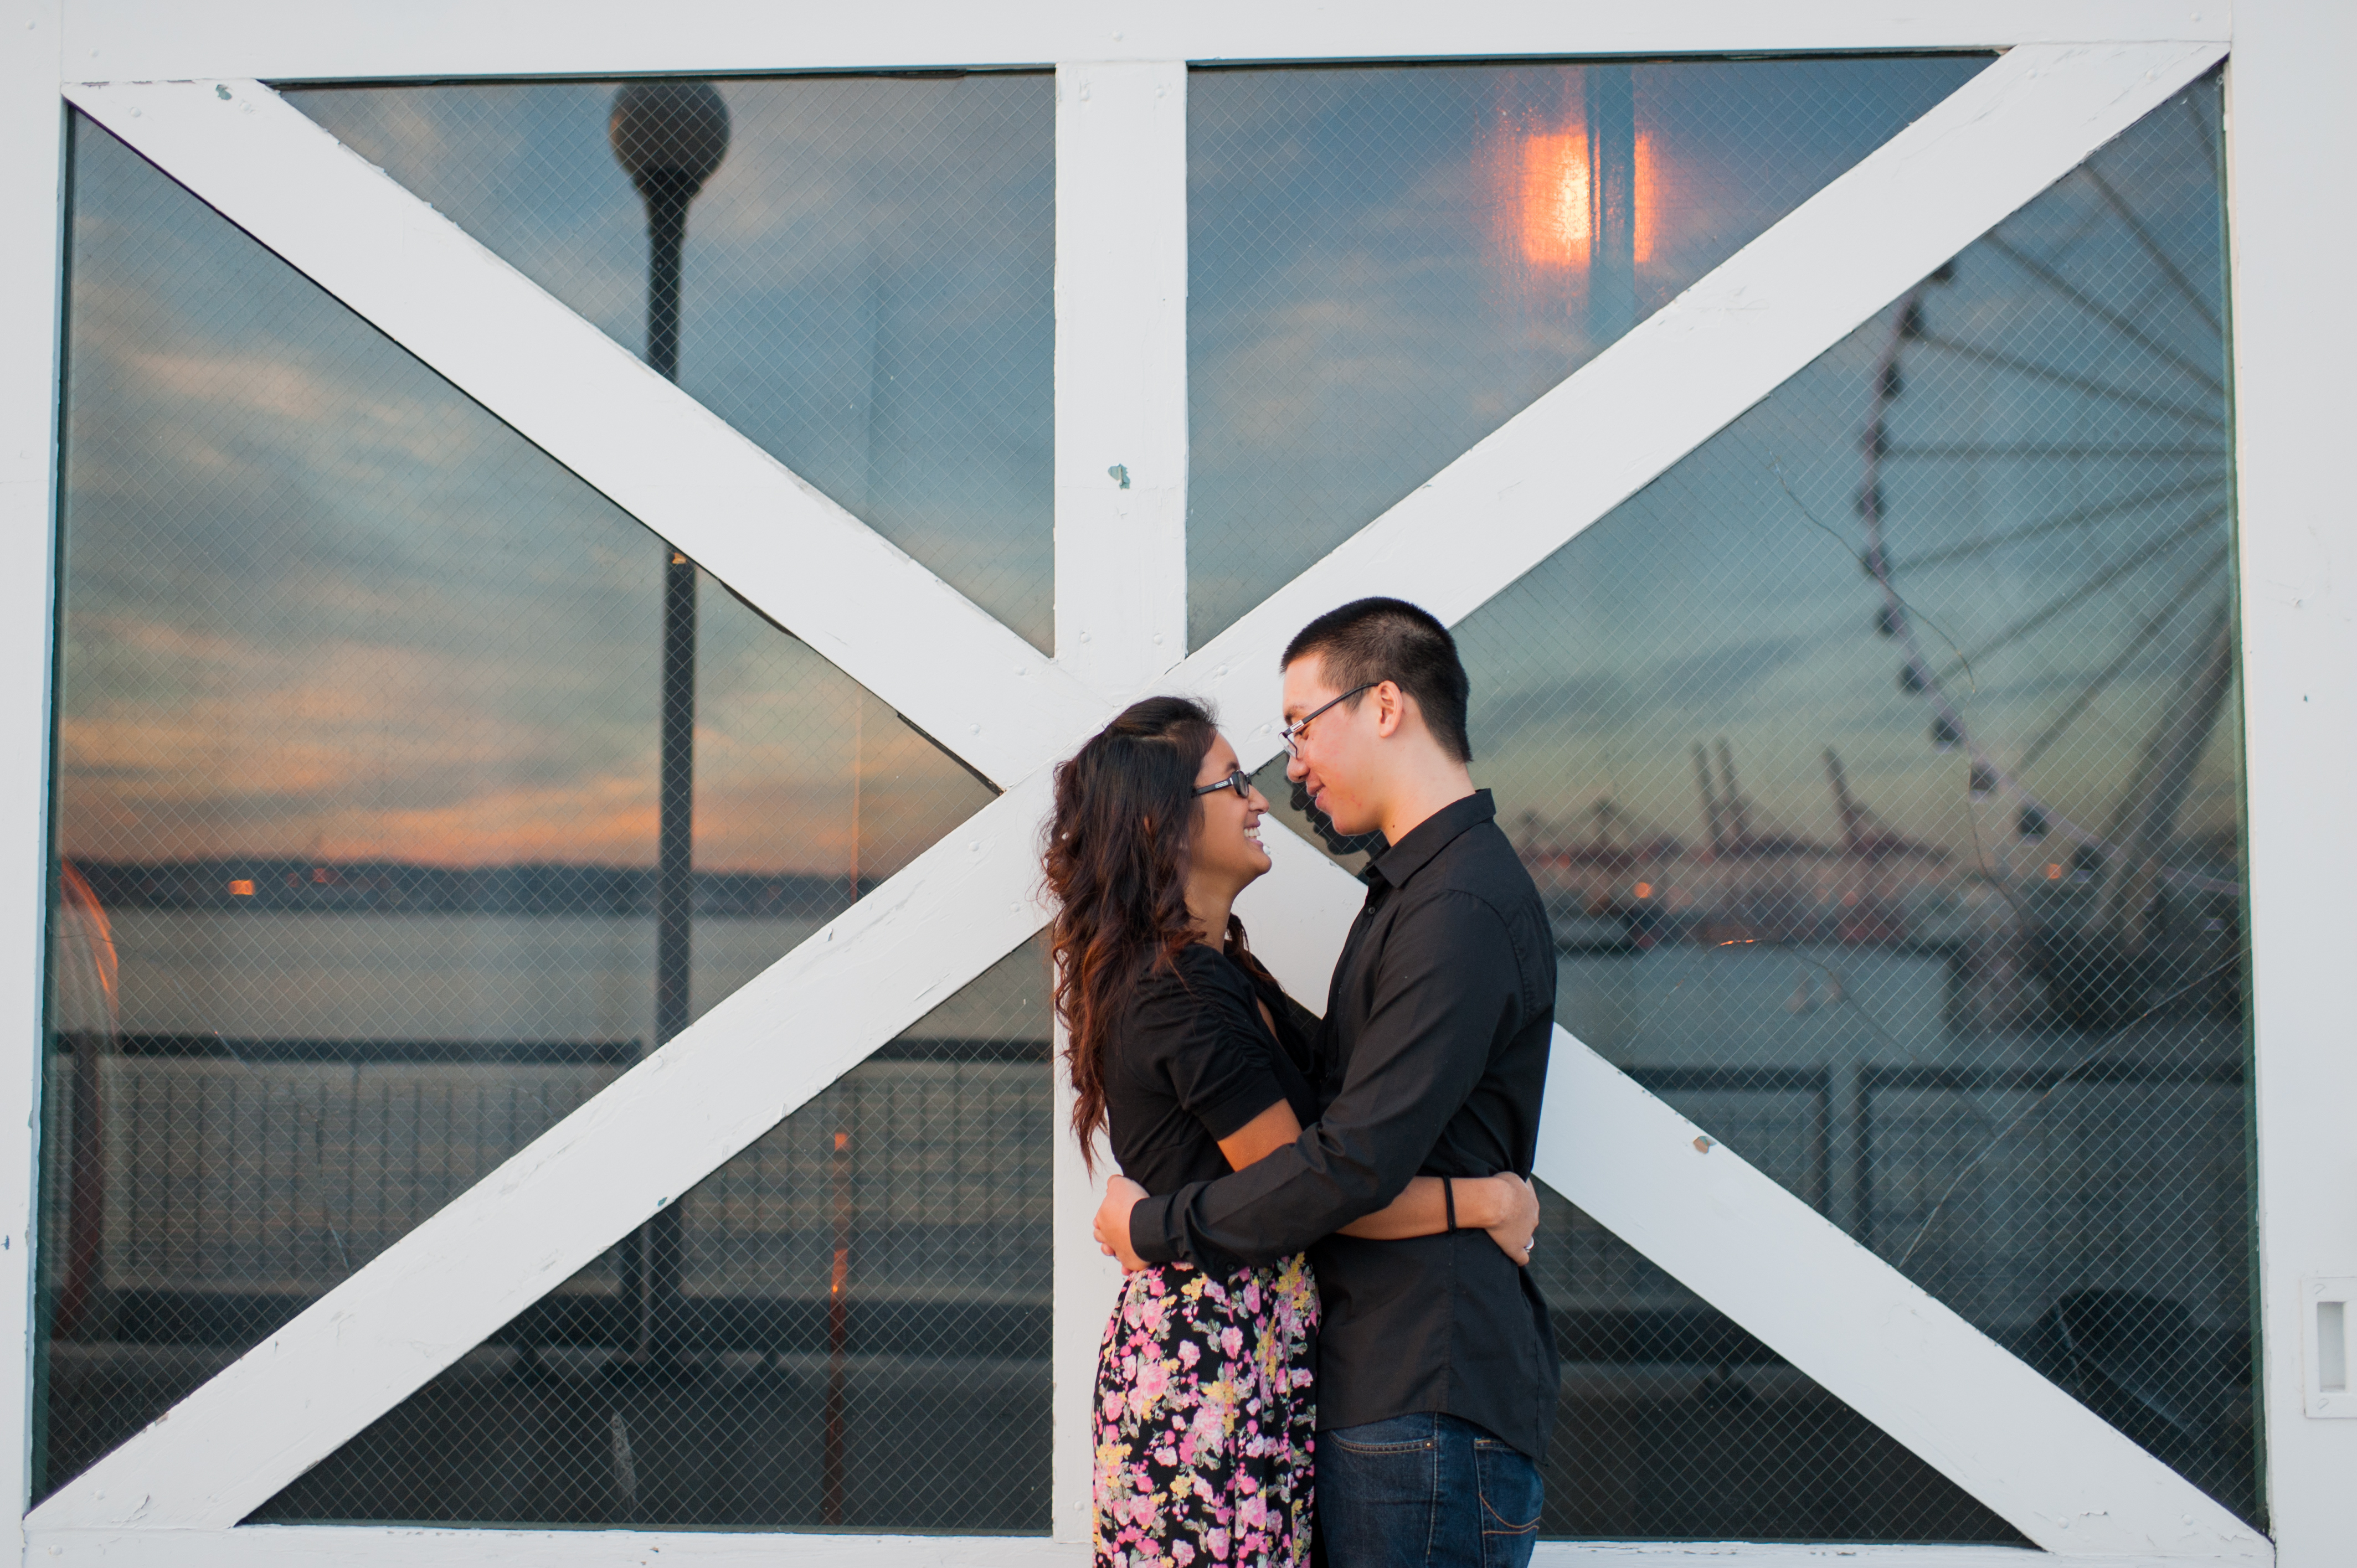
[1422,1491]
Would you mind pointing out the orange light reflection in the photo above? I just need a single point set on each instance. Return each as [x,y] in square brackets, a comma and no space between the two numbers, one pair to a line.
[1557,206]
[1557,200]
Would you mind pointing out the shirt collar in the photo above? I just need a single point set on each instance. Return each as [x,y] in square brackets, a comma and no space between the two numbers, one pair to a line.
[1430,837]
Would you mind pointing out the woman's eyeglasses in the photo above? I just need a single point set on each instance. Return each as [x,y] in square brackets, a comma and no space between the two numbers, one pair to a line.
[1240,782]
[1291,733]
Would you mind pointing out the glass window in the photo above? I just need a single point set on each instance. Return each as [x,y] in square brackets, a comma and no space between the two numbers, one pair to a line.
[1880,764]
[856,1334]
[1388,263]
[866,283]
[1676,1424]
[359,712]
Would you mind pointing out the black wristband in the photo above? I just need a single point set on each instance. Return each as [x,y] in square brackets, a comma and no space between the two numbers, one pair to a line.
[1449,1202]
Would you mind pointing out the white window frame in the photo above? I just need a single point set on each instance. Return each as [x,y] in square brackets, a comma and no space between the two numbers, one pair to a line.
[2077,72]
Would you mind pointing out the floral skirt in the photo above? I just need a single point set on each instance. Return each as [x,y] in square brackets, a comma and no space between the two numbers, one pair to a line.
[1206,1408]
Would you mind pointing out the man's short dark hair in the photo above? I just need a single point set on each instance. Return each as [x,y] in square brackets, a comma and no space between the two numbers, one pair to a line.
[1369,641]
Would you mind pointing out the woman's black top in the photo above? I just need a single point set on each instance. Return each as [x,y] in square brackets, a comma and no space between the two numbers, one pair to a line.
[1190,1062]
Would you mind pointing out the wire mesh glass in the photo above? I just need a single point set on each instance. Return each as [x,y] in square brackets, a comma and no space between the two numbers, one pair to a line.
[1880,765]
[1388,263]
[1674,1424]
[858,1336]
[866,280]
[360,708]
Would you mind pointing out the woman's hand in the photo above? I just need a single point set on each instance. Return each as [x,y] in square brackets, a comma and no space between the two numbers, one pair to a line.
[1113,1220]
[1517,1207]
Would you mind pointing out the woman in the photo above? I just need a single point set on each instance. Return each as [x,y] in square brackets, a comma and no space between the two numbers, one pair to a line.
[1193,1061]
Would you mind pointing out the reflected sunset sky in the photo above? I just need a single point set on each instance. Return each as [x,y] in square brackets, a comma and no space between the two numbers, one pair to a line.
[319,604]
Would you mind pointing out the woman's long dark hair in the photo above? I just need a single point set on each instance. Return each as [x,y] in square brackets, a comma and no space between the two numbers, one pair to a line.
[1117,857]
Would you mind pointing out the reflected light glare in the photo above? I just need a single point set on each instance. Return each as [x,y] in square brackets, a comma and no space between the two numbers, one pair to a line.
[1647,202]
[1558,224]
[1559,200]
[240,889]
[1644,890]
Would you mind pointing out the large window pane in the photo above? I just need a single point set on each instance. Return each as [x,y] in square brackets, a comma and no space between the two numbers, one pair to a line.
[867,282]
[1674,1424]
[1880,763]
[1388,263]
[858,1338]
[359,707]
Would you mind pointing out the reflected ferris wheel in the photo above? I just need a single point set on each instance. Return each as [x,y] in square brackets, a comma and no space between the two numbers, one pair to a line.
[2046,512]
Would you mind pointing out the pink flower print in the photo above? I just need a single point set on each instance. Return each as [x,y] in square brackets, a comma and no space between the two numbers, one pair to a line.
[1152,1381]
[1202,1441]
[1210,1431]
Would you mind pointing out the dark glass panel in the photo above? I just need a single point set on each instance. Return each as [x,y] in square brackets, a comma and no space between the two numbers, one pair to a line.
[359,704]
[866,280]
[858,1338]
[1674,1424]
[1880,764]
[1388,263]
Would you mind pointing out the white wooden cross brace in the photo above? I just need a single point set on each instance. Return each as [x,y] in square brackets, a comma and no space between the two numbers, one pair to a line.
[2064,1477]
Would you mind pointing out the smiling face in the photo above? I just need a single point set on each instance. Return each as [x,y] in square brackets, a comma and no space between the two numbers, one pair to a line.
[1227,857]
[1332,757]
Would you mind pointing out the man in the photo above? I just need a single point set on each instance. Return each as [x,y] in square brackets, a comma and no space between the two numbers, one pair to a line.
[1437,1367]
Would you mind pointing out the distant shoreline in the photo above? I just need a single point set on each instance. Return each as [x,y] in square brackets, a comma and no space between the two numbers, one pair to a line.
[282,884]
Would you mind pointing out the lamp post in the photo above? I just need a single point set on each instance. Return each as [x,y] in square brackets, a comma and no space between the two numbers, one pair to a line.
[1611,109]
[669,136]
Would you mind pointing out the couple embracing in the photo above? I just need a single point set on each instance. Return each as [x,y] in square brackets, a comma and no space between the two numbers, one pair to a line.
[1325,1221]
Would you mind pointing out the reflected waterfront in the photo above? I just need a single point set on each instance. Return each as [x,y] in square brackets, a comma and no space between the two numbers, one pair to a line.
[271,1097]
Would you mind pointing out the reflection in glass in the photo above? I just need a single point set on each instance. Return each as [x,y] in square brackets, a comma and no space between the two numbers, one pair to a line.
[1389,263]
[1880,764]
[862,1340]
[356,803]
[870,276]
[1677,1424]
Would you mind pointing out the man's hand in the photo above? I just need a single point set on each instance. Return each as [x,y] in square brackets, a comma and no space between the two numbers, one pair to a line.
[1518,1228]
[1113,1221]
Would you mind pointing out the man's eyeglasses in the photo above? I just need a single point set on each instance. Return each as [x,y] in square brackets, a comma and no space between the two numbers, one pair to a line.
[1240,782]
[1291,733]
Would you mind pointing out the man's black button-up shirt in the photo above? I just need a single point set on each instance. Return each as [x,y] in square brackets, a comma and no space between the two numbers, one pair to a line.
[1434,1060]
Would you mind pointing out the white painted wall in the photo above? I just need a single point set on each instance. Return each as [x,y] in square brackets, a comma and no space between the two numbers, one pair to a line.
[137,40]
[1120,372]
[30,192]
[2292,140]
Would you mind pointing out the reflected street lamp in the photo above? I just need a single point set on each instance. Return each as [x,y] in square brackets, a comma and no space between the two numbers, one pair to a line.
[1611,105]
[669,136]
